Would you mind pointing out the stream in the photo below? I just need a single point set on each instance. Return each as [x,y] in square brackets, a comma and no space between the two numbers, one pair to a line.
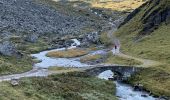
[124,91]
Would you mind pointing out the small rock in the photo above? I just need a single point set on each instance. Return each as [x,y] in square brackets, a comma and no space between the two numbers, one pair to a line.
[138,87]
[144,95]
[14,82]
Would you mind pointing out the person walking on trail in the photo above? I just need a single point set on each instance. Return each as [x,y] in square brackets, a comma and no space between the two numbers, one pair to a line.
[115,47]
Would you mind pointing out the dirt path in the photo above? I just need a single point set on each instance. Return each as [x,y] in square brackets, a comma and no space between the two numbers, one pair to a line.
[34,72]
[145,62]
[115,41]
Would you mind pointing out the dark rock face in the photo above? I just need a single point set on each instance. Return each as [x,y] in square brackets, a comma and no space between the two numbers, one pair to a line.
[7,48]
[156,17]
[132,14]
[155,13]
[17,16]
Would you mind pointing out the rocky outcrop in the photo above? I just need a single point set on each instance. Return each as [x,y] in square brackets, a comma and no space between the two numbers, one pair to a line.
[7,48]
[31,38]
[155,18]
[153,13]
[88,38]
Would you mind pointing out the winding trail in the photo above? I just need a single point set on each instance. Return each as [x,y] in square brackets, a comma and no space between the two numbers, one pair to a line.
[115,41]
[145,62]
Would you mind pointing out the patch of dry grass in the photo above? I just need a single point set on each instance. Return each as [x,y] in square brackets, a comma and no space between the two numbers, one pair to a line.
[90,58]
[117,6]
[70,53]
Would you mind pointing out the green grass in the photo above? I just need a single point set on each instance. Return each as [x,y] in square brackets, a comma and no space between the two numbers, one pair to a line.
[90,58]
[115,59]
[105,39]
[155,47]
[70,86]
[30,48]
[12,65]
[154,79]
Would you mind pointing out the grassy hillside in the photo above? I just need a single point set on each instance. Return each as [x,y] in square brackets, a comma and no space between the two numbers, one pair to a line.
[145,34]
[71,86]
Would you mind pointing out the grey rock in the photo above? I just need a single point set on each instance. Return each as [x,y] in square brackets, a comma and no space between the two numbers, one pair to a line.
[35,17]
[7,48]
[88,38]
[31,38]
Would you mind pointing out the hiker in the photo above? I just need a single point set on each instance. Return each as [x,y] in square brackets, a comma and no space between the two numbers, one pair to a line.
[115,47]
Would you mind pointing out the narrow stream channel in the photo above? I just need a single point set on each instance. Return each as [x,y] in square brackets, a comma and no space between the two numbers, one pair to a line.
[125,91]
[61,62]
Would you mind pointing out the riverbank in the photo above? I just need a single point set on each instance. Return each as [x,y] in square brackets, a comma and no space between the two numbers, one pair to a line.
[74,86]
[124,91]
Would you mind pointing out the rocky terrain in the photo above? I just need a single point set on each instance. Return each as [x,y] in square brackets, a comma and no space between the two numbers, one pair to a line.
[31,19]
[30,16]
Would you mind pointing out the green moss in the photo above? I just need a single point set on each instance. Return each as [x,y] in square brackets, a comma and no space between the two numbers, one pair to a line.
[70,86]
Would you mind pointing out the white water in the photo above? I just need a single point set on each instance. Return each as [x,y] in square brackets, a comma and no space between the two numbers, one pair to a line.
[124,91]
[61,62]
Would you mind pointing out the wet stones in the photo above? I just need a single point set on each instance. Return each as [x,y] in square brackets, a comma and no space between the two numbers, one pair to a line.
[138,87]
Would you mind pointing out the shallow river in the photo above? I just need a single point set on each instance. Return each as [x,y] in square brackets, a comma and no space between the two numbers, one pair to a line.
[124,91]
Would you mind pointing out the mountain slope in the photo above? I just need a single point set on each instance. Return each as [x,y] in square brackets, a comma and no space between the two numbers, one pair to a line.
[29,26]
[146,33]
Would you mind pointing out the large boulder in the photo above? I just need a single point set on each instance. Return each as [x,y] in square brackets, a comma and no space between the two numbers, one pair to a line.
[31,38]
[92,37]
[7,48]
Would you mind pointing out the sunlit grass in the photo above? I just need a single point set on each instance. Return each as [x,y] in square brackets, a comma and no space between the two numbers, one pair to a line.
[68,53]
[118,6]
